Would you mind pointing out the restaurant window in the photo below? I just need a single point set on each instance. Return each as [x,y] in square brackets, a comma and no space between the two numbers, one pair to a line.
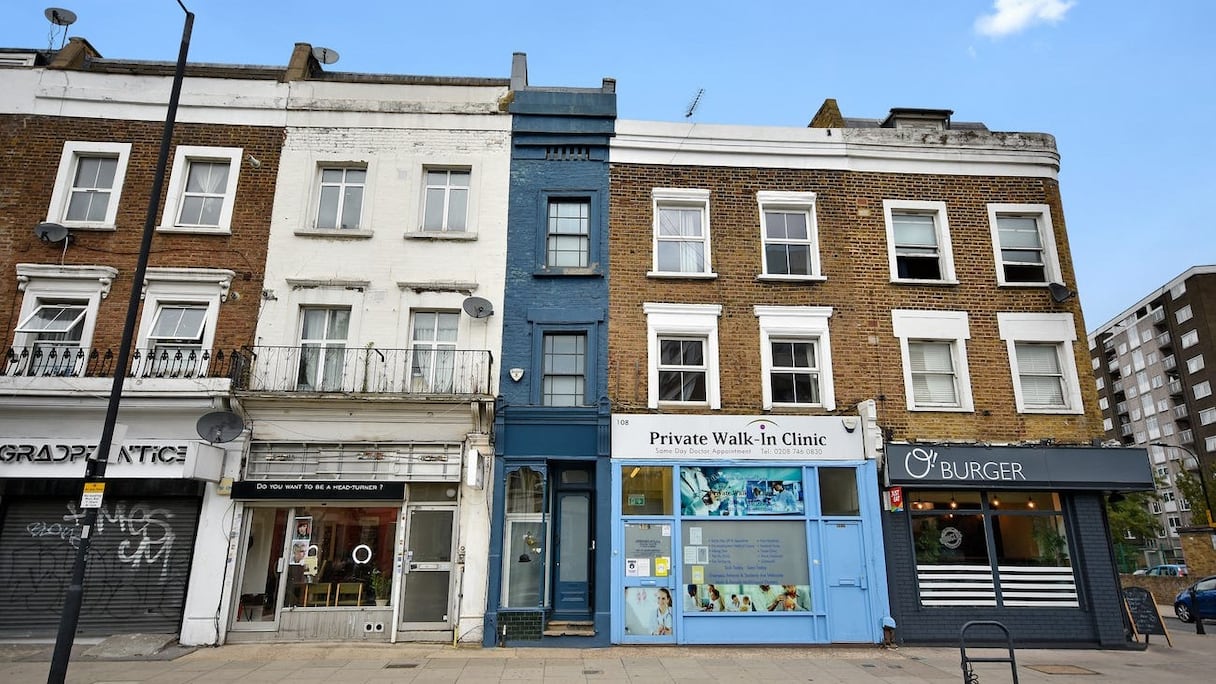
[1029,563]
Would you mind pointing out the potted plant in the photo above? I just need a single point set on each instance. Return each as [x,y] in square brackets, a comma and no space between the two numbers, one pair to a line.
[382,585]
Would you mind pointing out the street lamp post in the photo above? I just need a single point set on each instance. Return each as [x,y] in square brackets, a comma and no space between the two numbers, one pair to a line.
[95,468]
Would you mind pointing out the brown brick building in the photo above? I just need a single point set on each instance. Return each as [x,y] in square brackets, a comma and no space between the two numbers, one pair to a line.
[914,275]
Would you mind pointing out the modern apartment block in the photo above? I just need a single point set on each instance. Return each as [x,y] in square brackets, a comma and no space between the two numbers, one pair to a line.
[1155,390]
[844,378]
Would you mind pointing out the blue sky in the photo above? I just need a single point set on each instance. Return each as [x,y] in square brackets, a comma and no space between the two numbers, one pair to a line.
[1126,87]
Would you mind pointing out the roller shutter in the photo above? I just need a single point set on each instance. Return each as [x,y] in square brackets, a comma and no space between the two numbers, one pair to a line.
[135,581]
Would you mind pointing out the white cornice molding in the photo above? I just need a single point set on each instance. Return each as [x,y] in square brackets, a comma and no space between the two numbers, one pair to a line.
[863,149]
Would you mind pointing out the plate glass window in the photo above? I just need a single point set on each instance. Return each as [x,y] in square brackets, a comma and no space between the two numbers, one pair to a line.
[433,353]
[568,243]
[933,376]
[92,185]
[682,369]
[341,199]
[323,334]
[795,372]
[447,200]
[204,194]
[787,243]
[565,366]
[917,254]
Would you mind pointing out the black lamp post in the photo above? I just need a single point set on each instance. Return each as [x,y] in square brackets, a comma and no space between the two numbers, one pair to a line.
[95,467]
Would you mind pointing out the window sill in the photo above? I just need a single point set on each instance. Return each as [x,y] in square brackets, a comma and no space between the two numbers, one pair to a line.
[194,230]
[440,235]
[1035,284]
[929,283]
[333,233]
[1061,411]
[765,277]
[681,276]
[592,271]
[88,226]
[942,409]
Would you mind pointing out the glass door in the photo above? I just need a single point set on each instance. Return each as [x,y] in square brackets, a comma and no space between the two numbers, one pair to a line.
[263,569]
[649,601]
[427,578]
[572,581]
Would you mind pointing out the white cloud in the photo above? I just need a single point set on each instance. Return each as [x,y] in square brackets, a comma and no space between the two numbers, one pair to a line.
[1012,16]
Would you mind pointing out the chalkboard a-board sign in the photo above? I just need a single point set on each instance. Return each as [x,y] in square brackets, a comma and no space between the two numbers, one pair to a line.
[1145,618]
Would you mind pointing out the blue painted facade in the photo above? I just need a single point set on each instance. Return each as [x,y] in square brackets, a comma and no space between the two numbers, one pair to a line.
[559,154]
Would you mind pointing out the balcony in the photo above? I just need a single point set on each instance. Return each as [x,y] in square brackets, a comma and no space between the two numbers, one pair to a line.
[1175,388]
[1181,413]
[1186,437]
[85,362]
[1158,317]
[316,369]
[1168,362]
[1121,408]
[1125,429]
[1164,341]
[1117,387]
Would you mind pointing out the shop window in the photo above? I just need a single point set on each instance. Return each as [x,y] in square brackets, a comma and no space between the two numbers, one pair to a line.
[335,557]
[728,586]
[524,540]
[646,490]
[838,491]
[1031,565]
[323,332]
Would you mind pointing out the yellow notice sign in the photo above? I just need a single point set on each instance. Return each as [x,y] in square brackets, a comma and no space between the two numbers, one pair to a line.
[698,574]
[661,566]
[93,493]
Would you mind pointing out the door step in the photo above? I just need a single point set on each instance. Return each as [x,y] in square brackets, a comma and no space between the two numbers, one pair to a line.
[578,628]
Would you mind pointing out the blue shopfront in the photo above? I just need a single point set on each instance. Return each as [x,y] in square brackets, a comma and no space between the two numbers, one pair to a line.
[745,530]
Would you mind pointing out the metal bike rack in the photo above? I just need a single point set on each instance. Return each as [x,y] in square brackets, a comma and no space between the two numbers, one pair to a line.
[969,675]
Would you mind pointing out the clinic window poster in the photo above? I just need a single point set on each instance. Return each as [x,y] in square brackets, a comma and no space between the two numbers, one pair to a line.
[741,491]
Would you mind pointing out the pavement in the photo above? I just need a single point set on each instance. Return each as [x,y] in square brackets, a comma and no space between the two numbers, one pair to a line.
[1192,657]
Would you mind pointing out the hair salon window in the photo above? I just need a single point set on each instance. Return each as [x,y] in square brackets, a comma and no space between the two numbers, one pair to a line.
[991,549]
[524,541]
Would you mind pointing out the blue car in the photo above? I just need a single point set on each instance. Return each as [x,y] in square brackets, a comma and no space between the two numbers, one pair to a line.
[1204,604]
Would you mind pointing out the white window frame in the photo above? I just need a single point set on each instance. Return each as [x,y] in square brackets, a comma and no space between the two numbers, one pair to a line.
[1207,416]
[1202,390]
[935,326]
[207,287]
[1184,314]
[800,323]
[1052,328]
[469,229]
[1194,364]
[1189,339]
[1042,215]
[681,198]
[792,203]
[688,320]
[73,150]
[44,284]
[941,227]
[319,185]
[182,158]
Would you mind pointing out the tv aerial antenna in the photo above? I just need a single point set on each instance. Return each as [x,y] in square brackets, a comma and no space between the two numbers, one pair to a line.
[220,426]
[694,103]
[59,18]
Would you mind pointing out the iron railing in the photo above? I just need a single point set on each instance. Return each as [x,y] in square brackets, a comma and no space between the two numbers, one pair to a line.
[90,362]
[331,368]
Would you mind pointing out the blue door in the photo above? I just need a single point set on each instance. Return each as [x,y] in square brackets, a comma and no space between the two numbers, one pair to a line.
[848,601]
[572,571]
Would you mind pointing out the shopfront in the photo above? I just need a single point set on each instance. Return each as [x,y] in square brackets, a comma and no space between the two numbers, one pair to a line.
[143,546]
[1013,534]
[745,530]
[369,551]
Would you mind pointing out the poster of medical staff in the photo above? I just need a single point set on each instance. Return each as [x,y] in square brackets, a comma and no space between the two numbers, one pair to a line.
[733,491]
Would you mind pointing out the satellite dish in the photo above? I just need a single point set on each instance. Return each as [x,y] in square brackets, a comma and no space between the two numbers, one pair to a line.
[325,55]
[50,232]
[478,307]
[220,426]
[1059,292]
[59,16]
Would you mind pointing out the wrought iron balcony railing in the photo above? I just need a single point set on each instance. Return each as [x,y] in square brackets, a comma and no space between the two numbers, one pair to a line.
[330,368]
[87,362]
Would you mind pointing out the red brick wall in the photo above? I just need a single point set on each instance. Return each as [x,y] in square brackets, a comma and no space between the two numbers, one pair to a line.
[853,251]
[31,149]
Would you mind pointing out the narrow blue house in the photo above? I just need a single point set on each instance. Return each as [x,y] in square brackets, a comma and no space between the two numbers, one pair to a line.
[550,547]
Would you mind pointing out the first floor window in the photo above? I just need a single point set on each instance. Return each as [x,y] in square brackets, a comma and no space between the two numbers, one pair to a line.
[340,205]
[446,200]
[565,365]
[795,373]
[933,376]
[433,351]
[1040,375]
[682,369]
[54,333]
[323,334]
[176,339]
